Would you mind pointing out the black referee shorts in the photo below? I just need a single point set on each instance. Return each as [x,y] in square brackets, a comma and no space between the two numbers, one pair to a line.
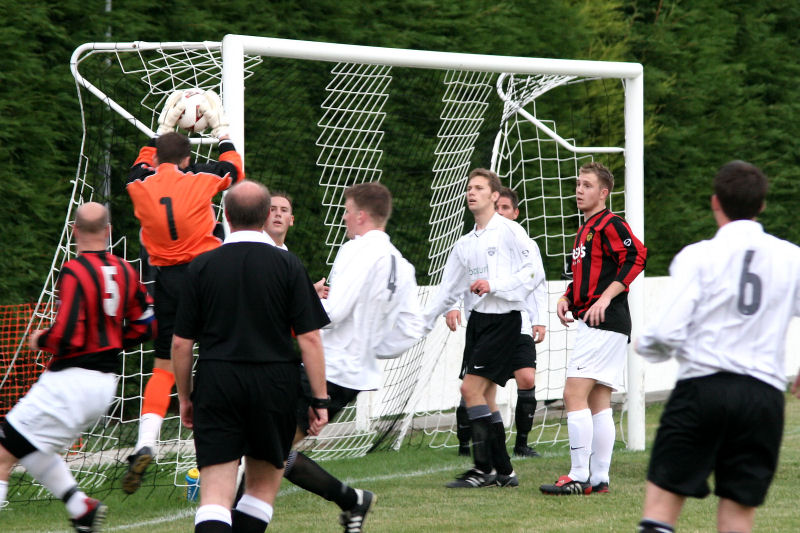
[725,423]
[340,397]
[490,343]
[169,283]
[244,409]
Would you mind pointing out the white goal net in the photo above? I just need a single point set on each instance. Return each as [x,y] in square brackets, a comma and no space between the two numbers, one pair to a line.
[315,118]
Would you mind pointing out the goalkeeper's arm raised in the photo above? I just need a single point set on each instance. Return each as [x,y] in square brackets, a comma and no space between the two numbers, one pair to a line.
[215,115]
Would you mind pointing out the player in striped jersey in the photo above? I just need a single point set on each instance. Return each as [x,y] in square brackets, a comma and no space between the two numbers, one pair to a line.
[724,319]
[103,308]
[172,198]
[606,258]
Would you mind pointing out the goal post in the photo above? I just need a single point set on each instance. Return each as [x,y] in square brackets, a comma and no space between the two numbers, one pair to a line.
[313,118]
[236,47]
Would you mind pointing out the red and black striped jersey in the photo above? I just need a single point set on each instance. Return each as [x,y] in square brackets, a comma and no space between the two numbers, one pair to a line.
[174,205]
[606,250]
[102,308]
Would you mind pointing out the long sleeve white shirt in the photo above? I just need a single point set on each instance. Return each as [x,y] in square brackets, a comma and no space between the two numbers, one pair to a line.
[374,311]
[502,254]
[729,305]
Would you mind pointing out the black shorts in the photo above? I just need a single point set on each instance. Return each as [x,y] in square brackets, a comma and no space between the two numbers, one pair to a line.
[244,409]
[340,397]
[490,343]
[169,283]
[730,424]
[524,353]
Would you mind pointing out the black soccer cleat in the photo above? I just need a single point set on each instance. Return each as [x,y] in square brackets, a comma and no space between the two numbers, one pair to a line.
[525,451]
[510,480]
[600,488]
[353,519]
[566,485]
[137,465]
[473,479]
[92,520]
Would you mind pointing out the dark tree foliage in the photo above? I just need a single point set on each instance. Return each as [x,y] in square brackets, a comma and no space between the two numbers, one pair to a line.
[720,83]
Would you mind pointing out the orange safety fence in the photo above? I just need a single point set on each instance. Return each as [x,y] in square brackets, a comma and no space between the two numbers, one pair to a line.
[26,369]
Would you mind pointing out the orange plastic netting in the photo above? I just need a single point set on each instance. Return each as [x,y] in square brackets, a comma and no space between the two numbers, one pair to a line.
[25,370]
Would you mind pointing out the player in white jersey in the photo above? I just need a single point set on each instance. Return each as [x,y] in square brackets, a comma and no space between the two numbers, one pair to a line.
[524,362]
[492,265]
[374,315]
[725,321]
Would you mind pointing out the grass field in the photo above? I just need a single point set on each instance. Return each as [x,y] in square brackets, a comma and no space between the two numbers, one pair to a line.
[412,497]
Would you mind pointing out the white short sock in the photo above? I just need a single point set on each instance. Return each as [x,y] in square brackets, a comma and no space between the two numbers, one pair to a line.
[250,505]
[602,445]
[3,493]
[149,428]
[579,426]
[212,512]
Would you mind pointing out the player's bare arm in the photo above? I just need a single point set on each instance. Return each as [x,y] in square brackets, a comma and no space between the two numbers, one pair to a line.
[538,333]
[453,319]
[561,310]
[796,386]
[33,340]
[597,312]
[322,289]
[314,362]
[182,367]
[480,287]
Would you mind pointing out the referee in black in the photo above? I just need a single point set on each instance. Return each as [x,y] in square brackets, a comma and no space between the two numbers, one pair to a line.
[248,373]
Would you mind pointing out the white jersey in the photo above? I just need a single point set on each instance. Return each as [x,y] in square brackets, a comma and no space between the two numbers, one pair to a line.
[729,306]
[535,303]
[271,241]
[373,308]
[501,253]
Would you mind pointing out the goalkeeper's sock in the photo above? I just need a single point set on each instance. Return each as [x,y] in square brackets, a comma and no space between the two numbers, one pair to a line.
[309,476]
[579,426]
[156,393]
[603,436]
[149,429]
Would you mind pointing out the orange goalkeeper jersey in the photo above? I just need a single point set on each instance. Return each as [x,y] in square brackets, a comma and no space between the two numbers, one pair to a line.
[174,206]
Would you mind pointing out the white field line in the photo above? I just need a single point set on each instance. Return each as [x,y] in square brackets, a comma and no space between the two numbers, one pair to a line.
[186,513]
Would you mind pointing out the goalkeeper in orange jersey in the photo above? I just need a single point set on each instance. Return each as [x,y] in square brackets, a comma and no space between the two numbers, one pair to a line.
[172,198]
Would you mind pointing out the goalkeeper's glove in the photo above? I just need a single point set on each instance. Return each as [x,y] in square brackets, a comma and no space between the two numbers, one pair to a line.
[215,114]
[173,109]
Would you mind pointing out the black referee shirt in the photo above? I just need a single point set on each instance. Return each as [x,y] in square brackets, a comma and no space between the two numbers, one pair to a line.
[242,301]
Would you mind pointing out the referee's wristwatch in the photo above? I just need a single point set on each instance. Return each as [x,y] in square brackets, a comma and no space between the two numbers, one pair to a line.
[321,403]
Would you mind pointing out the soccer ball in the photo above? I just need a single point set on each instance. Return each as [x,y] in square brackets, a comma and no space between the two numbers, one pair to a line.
[192,119]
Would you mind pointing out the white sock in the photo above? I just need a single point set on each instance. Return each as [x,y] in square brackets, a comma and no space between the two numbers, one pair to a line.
[49,470]
[250,505]
[579,426]
[3,493]
[207,513]
[602,445]
[76,504]
[149,428]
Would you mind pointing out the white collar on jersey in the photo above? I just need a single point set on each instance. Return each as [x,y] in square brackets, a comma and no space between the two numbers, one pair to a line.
[249,236]
[373,234]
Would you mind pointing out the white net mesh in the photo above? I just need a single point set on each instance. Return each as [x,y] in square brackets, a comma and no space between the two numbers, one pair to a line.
[330,125]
